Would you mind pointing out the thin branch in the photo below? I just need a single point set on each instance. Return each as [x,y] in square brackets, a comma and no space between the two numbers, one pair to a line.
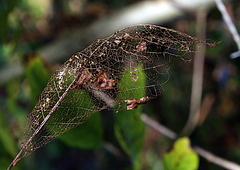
[217,160]
[160,128]
[102,96]
[203,153]
[197,80]
[206,106]
[230,25]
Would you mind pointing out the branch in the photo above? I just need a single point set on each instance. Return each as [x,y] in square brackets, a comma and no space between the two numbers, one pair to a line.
[197,79]
[158,127]
[205,154]
[215,159]
[230,25]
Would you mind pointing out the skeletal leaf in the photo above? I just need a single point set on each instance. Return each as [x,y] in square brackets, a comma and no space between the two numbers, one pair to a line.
[88,81]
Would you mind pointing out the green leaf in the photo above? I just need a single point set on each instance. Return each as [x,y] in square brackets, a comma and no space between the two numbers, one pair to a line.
[181,157]
[37,76]
[89,135]
[6,8]
[6,137]
[129,129]
[4,162]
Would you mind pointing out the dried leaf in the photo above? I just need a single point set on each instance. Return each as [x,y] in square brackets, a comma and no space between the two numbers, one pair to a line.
[88,82]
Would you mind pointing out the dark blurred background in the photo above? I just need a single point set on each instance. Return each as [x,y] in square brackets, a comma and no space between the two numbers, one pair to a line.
[38,36]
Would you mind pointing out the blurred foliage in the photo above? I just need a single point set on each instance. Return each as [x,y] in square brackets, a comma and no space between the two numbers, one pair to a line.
[37,76]
[181,157]
[6,8]
[7,142]
[88,135]
[28,25]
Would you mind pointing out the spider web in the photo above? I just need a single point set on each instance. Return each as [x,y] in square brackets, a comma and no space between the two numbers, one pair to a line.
[64,105]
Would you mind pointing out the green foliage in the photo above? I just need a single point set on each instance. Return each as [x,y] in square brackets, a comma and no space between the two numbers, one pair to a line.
[129,129]
[15,93]
[8,147]
[181,157]
[37,76]
[37,8]
[88,136]
[6,138]
[5,9]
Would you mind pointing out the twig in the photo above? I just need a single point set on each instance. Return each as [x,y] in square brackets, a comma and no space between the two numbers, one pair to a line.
[206,106]
[203,153]
[197,80]
[160,128]
[101,96]
[215,159]
[230,25]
